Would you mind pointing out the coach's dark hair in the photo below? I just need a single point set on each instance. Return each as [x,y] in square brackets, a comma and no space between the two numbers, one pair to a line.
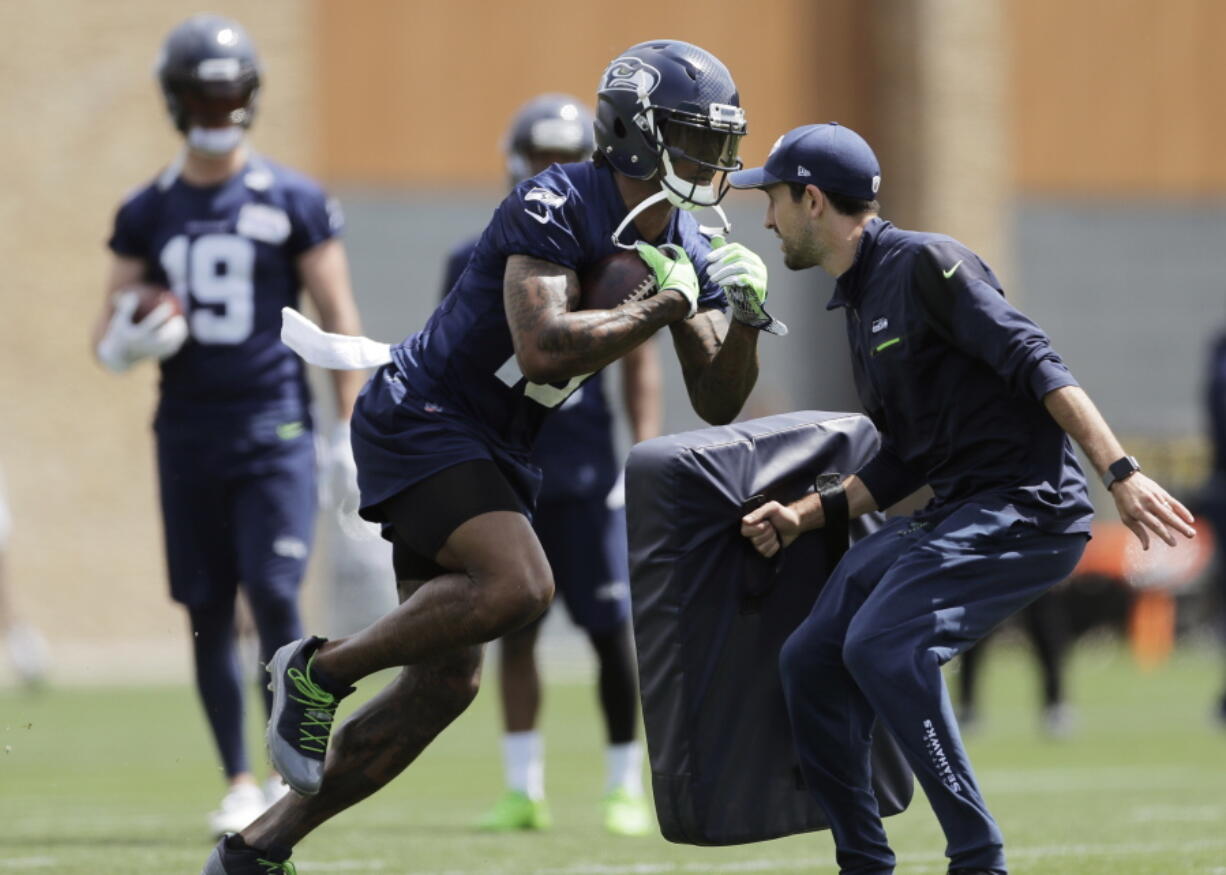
[847,206]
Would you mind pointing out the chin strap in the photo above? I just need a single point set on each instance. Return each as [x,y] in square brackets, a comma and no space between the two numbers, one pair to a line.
[664,194]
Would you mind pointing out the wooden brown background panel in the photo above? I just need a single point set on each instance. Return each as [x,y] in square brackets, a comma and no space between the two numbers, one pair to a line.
[1119,97]
[419,93]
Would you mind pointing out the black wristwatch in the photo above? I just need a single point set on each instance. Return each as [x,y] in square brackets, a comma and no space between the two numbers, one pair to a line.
[1120,469]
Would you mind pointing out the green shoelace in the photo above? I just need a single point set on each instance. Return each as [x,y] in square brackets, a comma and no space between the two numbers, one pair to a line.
[320,711]
[271,868]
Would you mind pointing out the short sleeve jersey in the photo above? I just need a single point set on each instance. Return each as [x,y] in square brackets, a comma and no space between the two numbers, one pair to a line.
[463,362]
[229,253]
[574,448]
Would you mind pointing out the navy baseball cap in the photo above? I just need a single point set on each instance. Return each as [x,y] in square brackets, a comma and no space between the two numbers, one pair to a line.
[830,156]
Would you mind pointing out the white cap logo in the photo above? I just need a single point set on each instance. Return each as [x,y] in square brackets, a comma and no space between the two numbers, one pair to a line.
[801,170]
[876,183]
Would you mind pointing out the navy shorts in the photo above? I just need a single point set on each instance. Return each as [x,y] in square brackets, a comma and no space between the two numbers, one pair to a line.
[400,441]
[236,507]
[585,542]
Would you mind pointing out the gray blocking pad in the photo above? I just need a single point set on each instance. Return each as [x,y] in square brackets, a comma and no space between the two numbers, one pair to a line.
[710,616]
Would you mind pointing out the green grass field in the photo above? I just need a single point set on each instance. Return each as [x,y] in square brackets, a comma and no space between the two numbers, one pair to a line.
[119,780]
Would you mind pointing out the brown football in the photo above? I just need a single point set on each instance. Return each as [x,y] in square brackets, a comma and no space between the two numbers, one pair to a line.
[150,297]
[616,280]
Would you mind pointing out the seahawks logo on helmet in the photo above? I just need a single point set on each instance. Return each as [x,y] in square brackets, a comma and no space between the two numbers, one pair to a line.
[630,74]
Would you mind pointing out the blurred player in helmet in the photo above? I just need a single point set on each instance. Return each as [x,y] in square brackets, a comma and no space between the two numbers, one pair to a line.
[443,431]
[580,521]
[235,237]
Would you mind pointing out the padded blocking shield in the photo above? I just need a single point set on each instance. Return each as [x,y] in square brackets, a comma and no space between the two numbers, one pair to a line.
[710,616]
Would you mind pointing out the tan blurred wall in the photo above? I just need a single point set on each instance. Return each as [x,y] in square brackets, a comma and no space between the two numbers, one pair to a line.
[419,93]
[83,124]
[1118,98]
[940,120]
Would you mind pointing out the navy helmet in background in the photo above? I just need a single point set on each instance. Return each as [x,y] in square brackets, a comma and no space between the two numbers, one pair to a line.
[555,125]
[666,100]
[209,74]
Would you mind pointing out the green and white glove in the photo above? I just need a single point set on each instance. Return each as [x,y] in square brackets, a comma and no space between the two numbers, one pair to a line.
[741,274]
[673,270]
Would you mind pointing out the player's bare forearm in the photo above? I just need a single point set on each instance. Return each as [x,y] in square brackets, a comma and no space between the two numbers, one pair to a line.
[554,344]
[1074,412]
[719,363]
[642,390]
[347,385]
[325,275]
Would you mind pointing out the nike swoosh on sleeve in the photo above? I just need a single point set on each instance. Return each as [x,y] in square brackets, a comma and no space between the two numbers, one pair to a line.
[543,218]
[948,273]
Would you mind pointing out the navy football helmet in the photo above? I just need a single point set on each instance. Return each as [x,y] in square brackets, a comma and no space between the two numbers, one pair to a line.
[665,101]
[209,73]
[556,125]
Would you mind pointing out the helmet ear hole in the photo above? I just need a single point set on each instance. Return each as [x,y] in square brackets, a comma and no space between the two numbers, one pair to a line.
[619,128]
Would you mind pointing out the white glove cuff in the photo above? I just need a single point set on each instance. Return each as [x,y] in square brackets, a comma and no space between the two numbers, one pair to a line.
[112,355]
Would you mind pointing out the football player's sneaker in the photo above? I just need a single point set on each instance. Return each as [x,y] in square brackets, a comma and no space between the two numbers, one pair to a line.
[516,810]
[242,804]
[1060,720]
[301,717]
[231,856]
[626,814]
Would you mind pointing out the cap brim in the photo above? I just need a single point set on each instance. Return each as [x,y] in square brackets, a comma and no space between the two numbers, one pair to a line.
[754,177]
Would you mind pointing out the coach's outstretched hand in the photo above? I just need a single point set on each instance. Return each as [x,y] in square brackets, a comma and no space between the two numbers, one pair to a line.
[1146,507]
[741,273]
[673,270]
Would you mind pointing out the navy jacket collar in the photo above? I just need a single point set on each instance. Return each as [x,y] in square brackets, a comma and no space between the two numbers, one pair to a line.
[850,285]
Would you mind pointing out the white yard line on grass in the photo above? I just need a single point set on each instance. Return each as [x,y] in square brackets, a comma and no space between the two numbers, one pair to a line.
[996,782]
[29,863]
[909,863]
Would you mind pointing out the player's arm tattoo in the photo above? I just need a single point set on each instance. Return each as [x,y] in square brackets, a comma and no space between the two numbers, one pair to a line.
[719,363]
[551,342]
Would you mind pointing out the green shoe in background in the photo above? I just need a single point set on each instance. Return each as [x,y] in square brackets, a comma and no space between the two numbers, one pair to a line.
[626,814]
[515,810]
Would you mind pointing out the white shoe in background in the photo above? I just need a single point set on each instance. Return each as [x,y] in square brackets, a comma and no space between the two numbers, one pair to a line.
[28,652]
[242,804]
[274,790]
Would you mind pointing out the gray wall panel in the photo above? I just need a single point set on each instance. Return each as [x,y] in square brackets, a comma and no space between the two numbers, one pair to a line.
[1131,295]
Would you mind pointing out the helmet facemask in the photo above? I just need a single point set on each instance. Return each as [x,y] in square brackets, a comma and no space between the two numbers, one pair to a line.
[704,147]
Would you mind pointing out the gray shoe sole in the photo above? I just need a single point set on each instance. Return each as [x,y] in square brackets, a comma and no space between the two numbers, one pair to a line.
[303,774]
[213,865]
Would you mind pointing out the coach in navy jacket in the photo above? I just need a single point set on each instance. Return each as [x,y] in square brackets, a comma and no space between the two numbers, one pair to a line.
[970,399]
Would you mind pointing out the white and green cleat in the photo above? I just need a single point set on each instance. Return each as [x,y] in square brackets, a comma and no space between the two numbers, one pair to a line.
[516,811]
[627,814]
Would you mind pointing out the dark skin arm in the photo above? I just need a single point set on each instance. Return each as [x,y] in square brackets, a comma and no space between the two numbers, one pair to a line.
[554,344]
[719,362]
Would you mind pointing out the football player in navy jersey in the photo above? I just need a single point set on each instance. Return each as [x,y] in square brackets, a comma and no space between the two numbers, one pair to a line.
[581,522]
[442,433]
[234,237]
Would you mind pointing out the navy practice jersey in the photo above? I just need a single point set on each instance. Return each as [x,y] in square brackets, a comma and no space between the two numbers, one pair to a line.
[574,448]
[229,253]
[462,362]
